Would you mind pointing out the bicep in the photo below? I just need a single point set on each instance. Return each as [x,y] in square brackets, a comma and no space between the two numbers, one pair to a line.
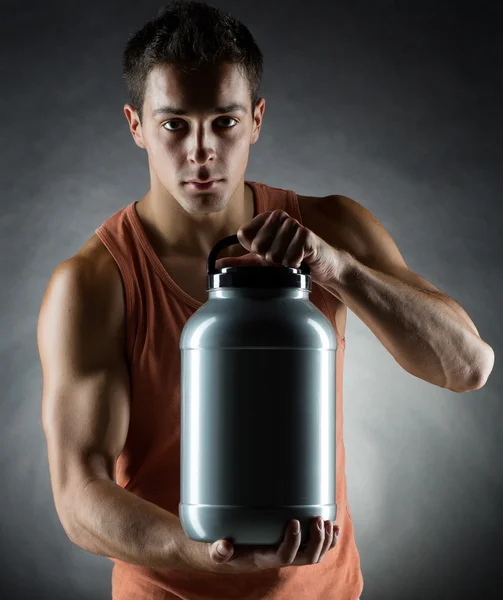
[85,399]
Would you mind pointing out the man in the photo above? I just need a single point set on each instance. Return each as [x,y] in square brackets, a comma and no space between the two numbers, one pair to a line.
[112,315]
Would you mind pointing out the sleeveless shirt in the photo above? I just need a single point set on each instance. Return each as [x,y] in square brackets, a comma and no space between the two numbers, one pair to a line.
[156,310]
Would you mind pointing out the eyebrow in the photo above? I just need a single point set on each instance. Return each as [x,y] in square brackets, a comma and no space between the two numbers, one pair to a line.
[236,106]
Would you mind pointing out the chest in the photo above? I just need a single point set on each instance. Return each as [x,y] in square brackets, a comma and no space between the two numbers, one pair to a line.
[191,276]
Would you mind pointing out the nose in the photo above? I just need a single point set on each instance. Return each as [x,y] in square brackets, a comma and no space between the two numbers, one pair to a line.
[202,146]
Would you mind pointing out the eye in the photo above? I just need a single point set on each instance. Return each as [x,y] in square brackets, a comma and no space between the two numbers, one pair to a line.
[179,121]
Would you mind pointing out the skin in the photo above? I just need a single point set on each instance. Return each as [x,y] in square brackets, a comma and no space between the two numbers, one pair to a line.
[242,559]
[187,223]
[197,145]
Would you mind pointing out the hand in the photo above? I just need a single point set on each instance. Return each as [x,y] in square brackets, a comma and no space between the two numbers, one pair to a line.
[245,559]
[275,238]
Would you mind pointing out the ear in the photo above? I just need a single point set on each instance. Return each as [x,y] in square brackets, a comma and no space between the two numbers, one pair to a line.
[134,125]
[257,119]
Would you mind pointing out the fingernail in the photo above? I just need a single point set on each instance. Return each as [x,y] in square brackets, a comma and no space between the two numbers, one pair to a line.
[221,549]
[296,527]
[320,524]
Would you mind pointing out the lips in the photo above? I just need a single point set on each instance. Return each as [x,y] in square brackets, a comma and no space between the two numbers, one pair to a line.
[210,184]
[202,180]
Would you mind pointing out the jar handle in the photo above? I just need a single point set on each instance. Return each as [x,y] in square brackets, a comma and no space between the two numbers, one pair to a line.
[230,241]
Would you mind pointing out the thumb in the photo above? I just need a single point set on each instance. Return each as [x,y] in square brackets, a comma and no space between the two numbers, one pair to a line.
[247,260]
[221,551]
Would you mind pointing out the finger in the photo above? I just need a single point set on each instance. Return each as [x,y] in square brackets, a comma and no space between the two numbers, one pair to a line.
[248,260]
[329,536]
[282,243]
[316,541]
[287,550]
[337,530]
[247,232]
[221,551]
[295,251]
[265,236]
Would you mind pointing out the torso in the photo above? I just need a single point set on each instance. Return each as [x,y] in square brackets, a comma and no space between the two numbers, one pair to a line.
[191,276]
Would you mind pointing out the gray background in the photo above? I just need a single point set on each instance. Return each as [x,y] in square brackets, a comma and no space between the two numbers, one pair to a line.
[395,104]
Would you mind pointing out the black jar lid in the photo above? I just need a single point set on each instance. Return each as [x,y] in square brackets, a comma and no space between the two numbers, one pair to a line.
[254,276]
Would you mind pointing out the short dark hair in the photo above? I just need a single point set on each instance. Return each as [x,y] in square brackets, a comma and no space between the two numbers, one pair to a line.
[190,35]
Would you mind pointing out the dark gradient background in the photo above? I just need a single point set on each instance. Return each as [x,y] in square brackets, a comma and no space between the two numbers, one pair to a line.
[397,105]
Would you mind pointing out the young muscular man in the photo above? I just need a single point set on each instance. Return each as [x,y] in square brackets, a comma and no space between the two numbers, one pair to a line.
[112,315]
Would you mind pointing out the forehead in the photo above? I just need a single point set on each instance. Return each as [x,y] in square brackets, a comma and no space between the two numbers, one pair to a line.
[195,90]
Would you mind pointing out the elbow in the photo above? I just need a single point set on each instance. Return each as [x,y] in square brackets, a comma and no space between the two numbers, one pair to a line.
[481,375]
[66,518]
[478,377]
[472,383]
[68,527]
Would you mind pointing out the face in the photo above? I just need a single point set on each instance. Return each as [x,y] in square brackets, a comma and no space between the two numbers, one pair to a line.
[200,143]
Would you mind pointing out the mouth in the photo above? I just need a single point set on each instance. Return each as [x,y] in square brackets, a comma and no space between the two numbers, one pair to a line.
[207,185]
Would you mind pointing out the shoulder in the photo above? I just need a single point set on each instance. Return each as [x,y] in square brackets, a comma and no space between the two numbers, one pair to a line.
[333,206]
[337,219]
[91,279]
[94,259]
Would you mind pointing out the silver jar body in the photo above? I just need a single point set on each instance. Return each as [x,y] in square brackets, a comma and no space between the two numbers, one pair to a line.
[258,370]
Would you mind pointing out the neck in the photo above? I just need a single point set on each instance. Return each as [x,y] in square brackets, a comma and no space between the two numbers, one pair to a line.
[174,231]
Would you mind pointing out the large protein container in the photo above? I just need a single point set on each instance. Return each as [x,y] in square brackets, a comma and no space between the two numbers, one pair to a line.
[257,406]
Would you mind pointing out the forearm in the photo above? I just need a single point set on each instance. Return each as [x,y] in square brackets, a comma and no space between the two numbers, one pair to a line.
[420,329]
[113,522]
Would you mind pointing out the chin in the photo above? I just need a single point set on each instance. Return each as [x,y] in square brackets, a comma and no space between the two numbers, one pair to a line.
[205,204]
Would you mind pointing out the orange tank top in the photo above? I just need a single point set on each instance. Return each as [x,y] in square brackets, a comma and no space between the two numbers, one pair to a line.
[156,310]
